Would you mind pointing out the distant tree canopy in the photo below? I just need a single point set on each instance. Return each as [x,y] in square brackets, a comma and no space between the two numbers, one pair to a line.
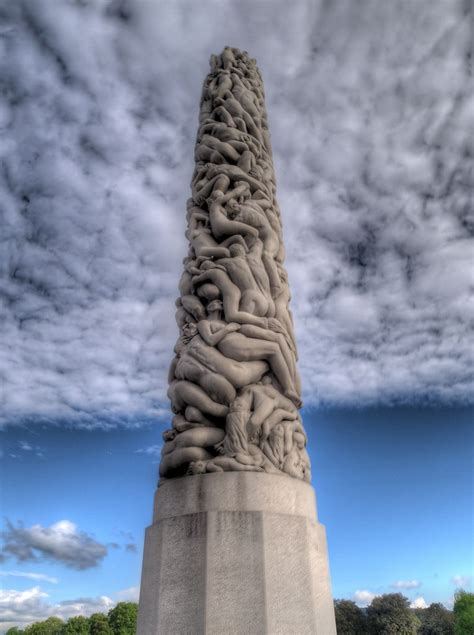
[51,626]
[435,620]
[350,619]
[463,613]
[76,626]
[390,614]
[99,625]
[121,620]
[387,615]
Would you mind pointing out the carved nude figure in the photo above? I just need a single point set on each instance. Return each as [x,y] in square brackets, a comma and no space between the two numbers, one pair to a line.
[221,464]
[270,238]
[232,297]
[203,363]
[228,109]
[250,343]
[184,393]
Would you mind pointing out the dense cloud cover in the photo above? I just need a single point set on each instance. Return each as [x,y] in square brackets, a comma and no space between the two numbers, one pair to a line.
[369,110]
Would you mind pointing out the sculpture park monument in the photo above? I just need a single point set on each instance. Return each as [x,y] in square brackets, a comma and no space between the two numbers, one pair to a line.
[235,546]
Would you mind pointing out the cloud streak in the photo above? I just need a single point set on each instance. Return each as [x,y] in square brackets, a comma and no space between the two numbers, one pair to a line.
[368,122]
[406,584]
[30,576]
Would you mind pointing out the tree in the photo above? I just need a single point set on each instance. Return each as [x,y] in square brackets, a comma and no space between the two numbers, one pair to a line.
[463,612]
[350,619]
[14,630]
[123,618]
[435,620]
[390,615]
[51,626]
[99,625]
[76,626]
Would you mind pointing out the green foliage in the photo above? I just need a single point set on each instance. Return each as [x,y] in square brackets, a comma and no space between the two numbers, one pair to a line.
[350,619]
[435,620]
[76,626]
[14,631]
[51,626]
[123,618]
[99,625]
[463,613]
[390,615]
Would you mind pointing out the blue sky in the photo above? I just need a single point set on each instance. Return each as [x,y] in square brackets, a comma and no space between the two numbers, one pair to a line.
[394,489]
[368,107]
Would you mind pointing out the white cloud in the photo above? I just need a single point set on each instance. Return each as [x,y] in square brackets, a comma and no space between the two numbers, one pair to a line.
[363,597]
[61,542]
[406,584]
[463,581]
[419,603]
[449,603]
[373,174]
[24,607]
[31,576]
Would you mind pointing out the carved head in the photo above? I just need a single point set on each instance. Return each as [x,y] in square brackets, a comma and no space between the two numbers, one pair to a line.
[197,467]
[232,208]
[215,195]
[241,184]
[208,291]
[169,435]
[237,250]
[215,305]
[206,265]
[299,439]
[278,431]
[190,329]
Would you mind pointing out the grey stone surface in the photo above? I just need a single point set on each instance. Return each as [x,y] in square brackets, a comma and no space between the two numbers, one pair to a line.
[235,553]
[230,491]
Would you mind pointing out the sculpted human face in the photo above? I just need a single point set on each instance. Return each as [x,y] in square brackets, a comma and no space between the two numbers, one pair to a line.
[189,330]
[214,306]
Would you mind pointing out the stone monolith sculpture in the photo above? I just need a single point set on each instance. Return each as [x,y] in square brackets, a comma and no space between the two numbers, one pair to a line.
[235,546]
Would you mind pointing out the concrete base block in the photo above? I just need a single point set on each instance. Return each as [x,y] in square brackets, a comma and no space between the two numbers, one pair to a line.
[235,553]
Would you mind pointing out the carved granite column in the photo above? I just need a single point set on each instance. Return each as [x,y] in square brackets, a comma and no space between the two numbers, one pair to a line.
[235,546]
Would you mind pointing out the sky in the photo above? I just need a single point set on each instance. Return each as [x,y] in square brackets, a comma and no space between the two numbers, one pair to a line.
[370,109]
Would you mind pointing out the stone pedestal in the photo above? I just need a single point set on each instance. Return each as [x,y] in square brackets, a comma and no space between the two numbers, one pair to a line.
[235,553]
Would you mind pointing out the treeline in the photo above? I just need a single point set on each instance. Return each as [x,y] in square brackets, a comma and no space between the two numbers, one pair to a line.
[391,614]
[388,614]
[121,620]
